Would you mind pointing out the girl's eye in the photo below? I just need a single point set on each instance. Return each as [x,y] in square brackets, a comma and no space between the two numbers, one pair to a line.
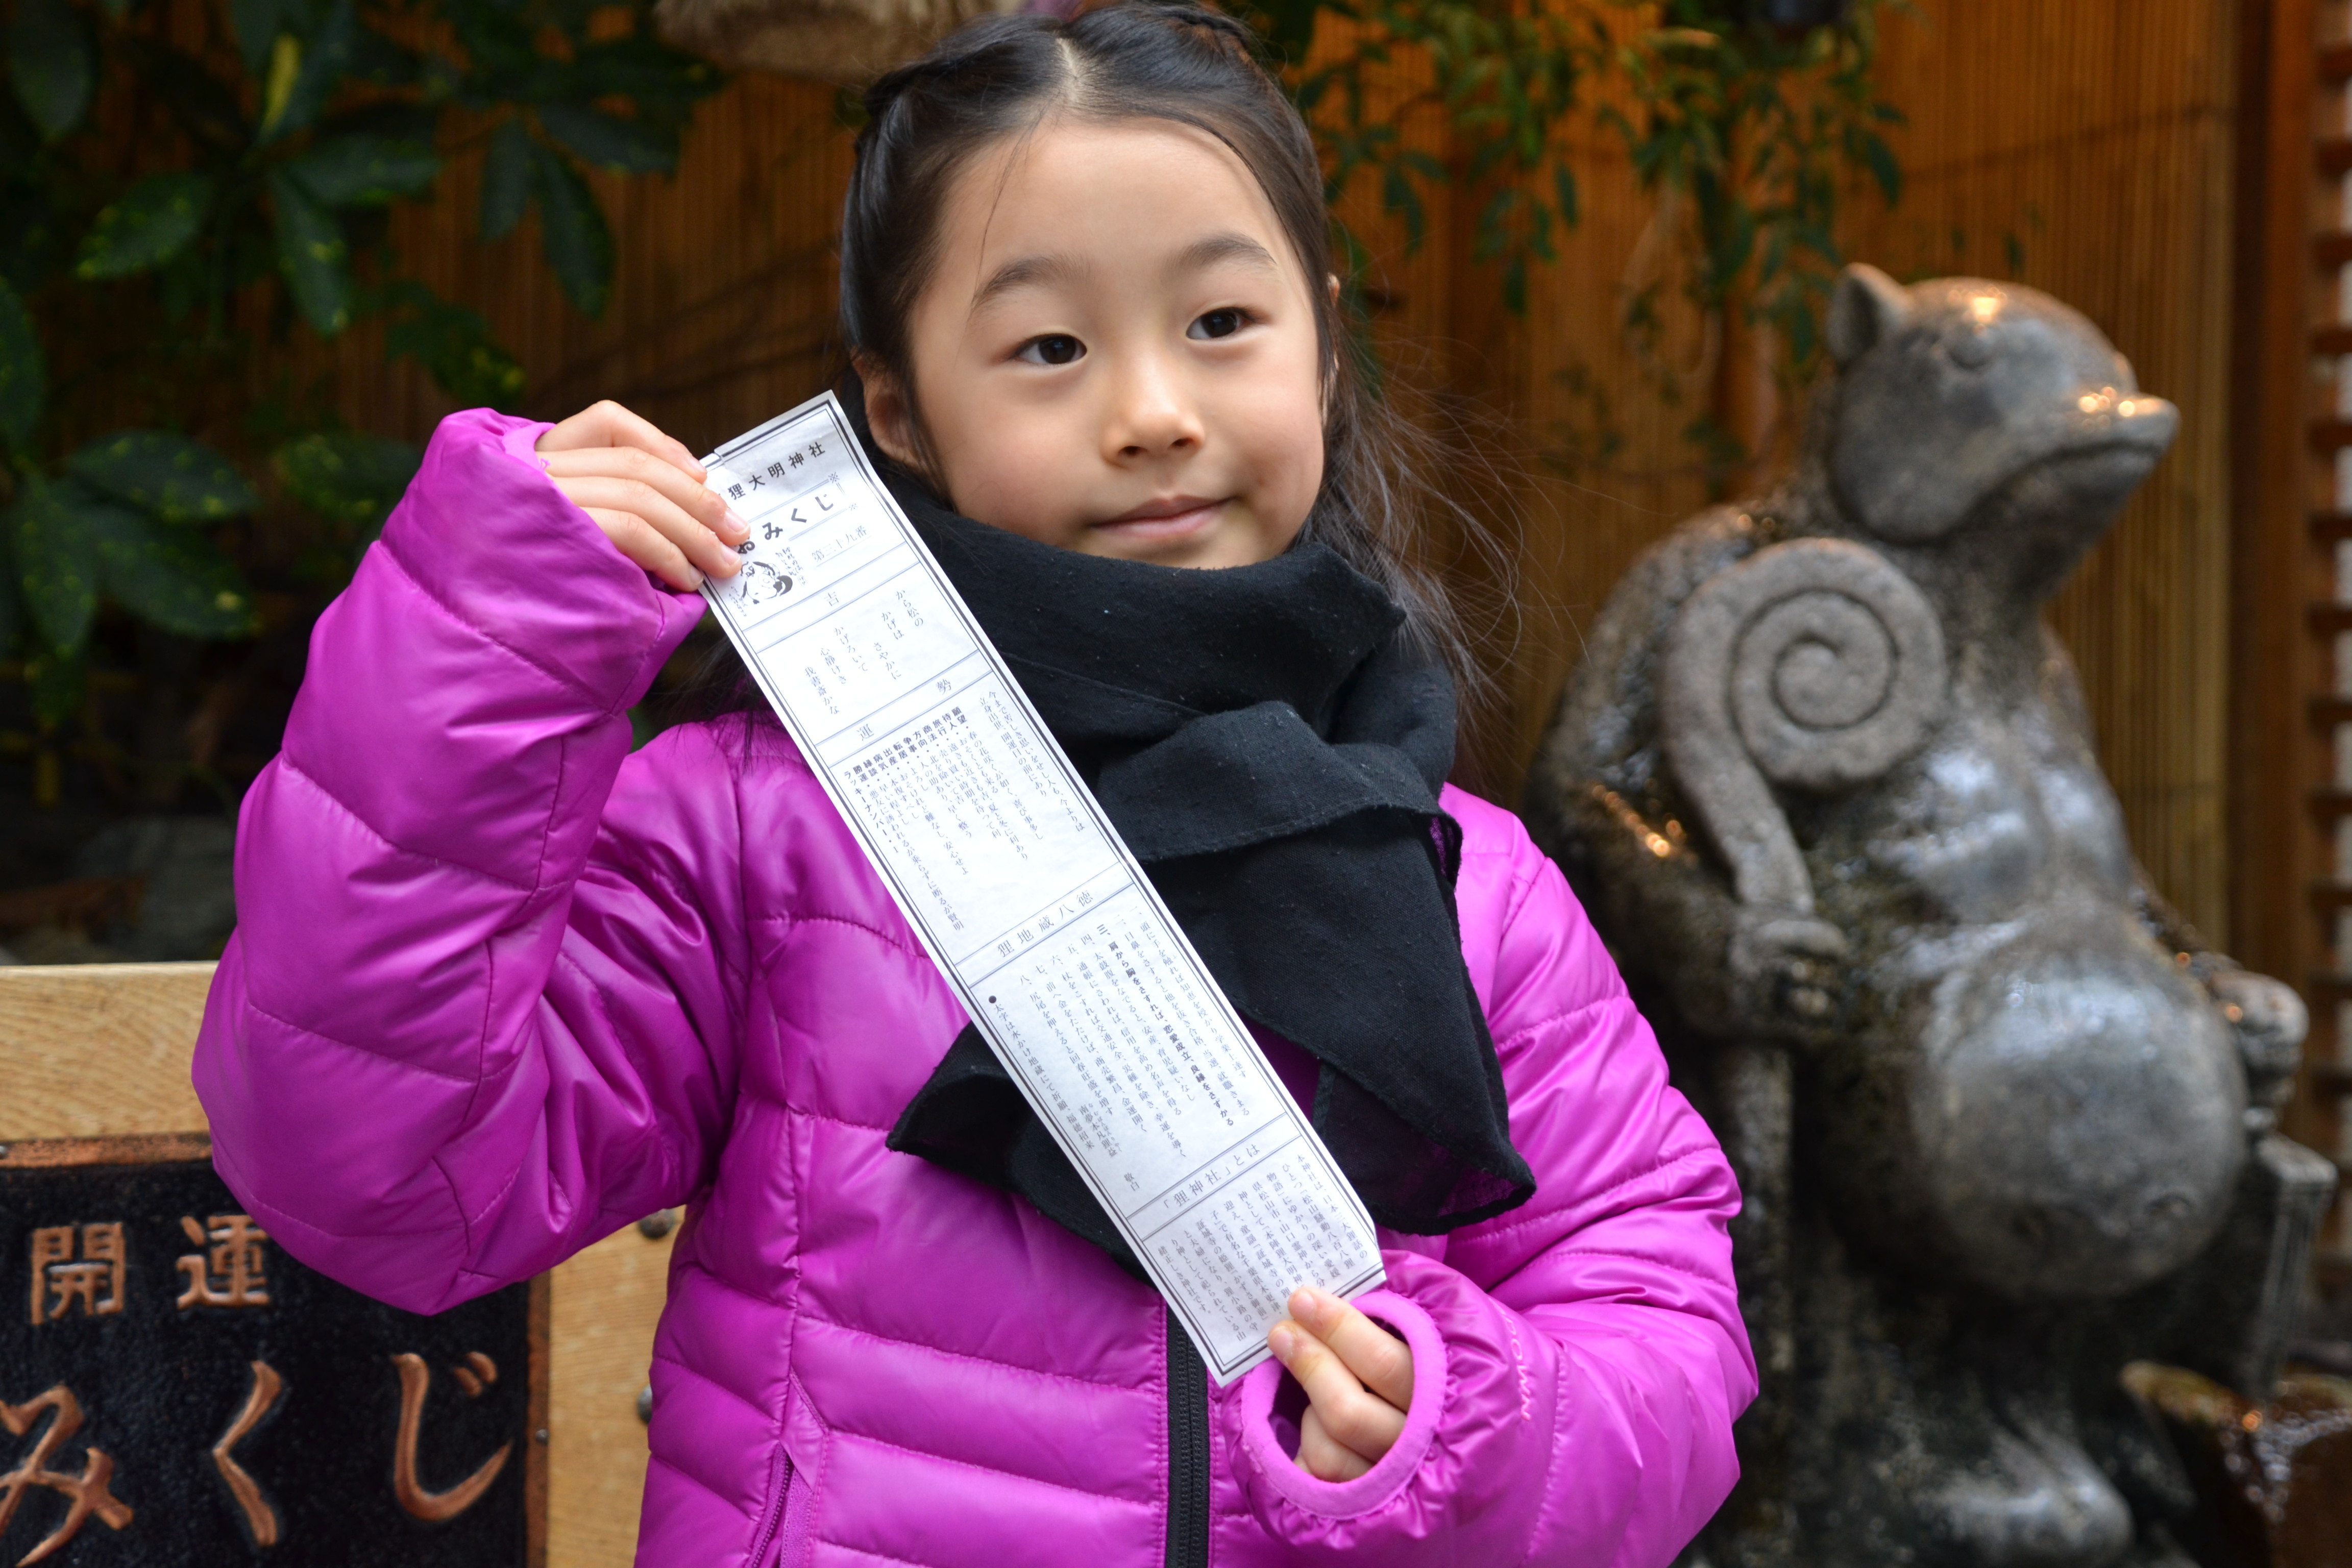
[1222,324]
[1054,348]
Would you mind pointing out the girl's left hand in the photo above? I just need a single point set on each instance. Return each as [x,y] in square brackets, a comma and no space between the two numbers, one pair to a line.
[1359,1382]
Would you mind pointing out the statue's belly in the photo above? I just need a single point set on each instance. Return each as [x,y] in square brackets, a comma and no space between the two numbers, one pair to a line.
[2075,1114]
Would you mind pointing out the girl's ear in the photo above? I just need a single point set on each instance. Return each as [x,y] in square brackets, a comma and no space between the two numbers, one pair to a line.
[887,415]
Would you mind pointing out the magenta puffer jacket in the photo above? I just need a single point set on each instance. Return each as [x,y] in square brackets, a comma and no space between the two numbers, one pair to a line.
[503,987]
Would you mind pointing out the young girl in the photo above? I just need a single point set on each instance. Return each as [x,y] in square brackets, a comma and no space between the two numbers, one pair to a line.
[503,987]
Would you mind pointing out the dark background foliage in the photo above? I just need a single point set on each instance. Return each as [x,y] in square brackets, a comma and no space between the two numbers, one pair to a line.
[185,186]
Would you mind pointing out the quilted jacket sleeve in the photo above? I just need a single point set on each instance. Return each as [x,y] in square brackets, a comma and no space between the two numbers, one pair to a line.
[1578,1363]
[474,1016]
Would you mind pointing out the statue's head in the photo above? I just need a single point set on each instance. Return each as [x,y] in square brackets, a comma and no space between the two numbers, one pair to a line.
[1957,393]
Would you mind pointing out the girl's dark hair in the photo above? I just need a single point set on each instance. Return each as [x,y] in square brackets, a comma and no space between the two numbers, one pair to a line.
[1002,76]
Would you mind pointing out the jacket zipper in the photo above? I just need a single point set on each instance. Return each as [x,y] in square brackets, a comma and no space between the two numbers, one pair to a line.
[1188,1451]
[794,1548]
[779,1485]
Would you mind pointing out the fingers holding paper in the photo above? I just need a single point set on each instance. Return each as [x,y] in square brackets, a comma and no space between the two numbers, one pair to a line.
[1359,1382]
[646,492]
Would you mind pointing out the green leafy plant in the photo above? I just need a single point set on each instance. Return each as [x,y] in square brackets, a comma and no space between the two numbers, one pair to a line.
[185,184]
[1753,115]
[1760,129]
[1505,77]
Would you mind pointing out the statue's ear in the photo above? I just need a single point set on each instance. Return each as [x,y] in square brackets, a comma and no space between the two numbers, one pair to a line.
[1867,308]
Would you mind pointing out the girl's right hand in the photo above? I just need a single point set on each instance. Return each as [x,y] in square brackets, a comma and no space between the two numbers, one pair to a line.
[646,491]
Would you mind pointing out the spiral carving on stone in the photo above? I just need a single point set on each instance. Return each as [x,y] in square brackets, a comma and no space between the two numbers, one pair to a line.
[1814,664]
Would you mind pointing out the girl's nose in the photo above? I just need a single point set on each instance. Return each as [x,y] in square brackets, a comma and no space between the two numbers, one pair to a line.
[1152,414]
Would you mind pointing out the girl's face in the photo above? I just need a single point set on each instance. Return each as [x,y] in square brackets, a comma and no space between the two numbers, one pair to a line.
[1116,351]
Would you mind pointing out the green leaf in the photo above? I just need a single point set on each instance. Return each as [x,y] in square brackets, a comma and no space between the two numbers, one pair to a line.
[352,479]
[503,61]
[312,254]
[377,59]
[505,180]
[1803,334]
[24,379]
[360,171]
[1396,196]
[1732,246]
[257,24]
[34,243]
[178,479]
[319,67]
[607,142]
[1492,231]
[169,577]
[455,345]
[572,227]
[387,118]
[150,223]
[278,86]
[1563,181]
[50,65]
[1882,166]
[58,681]
[648,73]
[56,559]
[203,104]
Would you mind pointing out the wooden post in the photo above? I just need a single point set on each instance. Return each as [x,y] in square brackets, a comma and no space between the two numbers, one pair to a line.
[2283,514]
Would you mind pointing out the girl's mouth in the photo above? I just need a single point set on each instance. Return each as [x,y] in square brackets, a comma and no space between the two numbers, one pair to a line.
[1157,522]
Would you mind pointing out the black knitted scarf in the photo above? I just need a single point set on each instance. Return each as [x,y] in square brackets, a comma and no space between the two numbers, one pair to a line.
[1272,754]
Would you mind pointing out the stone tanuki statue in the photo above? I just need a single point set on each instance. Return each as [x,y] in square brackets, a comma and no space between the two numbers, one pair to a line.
[1825,782]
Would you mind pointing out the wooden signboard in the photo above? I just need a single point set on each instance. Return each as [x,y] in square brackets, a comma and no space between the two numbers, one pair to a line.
[176,1389]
